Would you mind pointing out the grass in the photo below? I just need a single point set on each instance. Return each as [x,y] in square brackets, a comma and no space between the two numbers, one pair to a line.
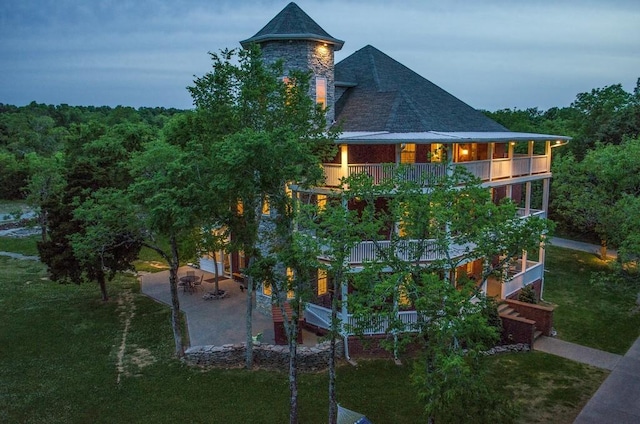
[23,245]
[59,356]
[59,347]
[599,312]
[546,388]
[59,352]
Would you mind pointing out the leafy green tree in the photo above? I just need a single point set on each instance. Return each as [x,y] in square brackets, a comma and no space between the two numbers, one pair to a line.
[45,185]
[95,159]
[453,222]
[596,195]
[260,134]
[606,115]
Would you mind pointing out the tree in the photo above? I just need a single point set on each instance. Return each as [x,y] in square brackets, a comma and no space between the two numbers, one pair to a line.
[606,115]
[597,195]
[45,185]
[95,159]
[453,221]
[331,228]
[261,134]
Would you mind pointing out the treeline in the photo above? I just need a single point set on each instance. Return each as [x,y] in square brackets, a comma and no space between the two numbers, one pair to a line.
[36,131]
[595,191]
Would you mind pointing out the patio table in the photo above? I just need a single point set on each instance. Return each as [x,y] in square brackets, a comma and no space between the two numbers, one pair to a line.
[187,283]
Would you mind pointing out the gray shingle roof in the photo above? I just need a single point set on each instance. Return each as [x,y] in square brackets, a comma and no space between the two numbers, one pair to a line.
[292,23]
[391,97]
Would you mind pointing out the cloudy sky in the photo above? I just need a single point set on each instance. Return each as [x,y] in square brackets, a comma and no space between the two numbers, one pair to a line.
[492,54]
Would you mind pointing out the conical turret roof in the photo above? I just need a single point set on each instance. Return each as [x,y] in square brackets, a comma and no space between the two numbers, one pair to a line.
[292,23]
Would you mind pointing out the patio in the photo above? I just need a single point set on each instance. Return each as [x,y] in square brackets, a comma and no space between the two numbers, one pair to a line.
[217,321]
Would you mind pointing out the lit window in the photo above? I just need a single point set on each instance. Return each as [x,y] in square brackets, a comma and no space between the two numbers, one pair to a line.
[266,289]
[321,91]
[290,283]
[408,153]
[322,282]
[437,152]
[265,206]
[321,201]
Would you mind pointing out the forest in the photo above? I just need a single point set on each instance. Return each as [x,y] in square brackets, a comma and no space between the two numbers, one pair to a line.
[594,191]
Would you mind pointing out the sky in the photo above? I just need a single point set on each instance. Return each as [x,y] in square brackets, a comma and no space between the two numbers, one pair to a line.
[492,54]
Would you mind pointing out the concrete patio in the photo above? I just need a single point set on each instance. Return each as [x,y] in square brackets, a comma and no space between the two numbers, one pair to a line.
[217,321]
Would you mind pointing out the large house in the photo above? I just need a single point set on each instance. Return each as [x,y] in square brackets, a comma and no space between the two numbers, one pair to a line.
[390,114]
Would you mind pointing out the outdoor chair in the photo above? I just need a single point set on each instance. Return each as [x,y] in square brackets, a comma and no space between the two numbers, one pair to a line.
[198,283]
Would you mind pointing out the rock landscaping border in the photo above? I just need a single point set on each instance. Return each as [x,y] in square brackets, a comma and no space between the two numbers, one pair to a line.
[265,356]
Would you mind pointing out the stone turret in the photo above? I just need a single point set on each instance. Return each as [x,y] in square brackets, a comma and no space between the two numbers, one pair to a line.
[303,45]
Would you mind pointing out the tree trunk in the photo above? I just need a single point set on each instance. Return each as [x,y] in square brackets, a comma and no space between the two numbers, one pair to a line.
[293,368]
[248,361]
[103,286]
[175,302]
[603,250]
[217,275]
[43,225]
[333,403]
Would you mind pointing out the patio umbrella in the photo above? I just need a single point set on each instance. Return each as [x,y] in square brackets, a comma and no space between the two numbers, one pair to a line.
[347,416]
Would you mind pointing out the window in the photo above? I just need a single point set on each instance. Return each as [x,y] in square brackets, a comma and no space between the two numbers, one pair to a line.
[321,200]
[322,282]
[266,289]
[290,293]
[265,206]
[321,91]
[408,153]
[437,153]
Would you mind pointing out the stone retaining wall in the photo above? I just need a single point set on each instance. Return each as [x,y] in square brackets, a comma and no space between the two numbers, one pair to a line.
[265,356]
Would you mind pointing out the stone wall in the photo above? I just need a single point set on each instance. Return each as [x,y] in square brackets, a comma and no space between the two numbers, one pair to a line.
[265,356]
[305,55]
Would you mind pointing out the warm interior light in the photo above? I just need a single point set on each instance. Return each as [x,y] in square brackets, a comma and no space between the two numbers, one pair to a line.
[464,152]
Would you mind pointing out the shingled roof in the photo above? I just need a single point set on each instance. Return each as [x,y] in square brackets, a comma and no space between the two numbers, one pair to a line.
[292,23]
[388,96]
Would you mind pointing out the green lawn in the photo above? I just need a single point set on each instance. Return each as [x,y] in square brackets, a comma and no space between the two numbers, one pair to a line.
[23,245]
[593,312]
[59,356]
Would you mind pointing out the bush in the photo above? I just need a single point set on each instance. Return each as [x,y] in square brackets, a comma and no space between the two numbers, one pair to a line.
[528,295]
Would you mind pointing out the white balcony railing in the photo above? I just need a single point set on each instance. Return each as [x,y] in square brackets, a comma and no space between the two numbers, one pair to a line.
[406,250]
[486,170]
[532,273]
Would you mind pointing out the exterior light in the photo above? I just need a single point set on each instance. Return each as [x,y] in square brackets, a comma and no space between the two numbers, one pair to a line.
[464,152]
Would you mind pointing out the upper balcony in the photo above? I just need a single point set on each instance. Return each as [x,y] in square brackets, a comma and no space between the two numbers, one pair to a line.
[489,162]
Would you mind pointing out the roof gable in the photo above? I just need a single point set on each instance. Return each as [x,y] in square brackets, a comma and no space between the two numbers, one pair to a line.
[292,23]
[388,96]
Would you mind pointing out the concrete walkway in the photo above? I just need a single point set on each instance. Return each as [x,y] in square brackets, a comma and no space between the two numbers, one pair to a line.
[581,246]
[617,401]
[578,353]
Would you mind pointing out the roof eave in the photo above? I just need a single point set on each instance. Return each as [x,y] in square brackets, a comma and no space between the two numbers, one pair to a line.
[383,137]
[283,37]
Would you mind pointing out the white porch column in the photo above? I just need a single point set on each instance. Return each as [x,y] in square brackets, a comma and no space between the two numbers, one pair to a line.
[344,160]
[490,157]
[527,198]
[545,195]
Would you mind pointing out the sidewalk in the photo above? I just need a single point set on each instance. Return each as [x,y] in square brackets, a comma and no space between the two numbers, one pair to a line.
[582,246]
[578,353]
[618,398]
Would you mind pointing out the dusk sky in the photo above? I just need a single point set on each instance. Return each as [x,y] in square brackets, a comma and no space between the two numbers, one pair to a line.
[491,54]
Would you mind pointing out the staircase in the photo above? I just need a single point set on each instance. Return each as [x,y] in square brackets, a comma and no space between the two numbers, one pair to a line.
[524,322]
